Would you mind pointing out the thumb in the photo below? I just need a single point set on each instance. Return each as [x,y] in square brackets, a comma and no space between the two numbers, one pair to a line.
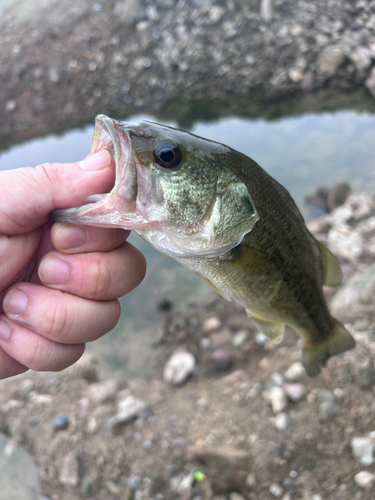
[28,195]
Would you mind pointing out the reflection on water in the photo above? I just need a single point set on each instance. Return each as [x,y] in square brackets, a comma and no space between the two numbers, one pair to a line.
[301,153]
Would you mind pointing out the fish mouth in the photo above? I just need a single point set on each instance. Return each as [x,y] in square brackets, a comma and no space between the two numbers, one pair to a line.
[117,208]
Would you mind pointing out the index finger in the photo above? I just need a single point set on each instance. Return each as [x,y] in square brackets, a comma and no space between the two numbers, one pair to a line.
[70,238]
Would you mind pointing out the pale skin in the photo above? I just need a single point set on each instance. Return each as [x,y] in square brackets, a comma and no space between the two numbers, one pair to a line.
[59,283]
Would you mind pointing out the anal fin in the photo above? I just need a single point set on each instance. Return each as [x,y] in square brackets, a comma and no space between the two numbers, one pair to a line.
[314,357]
[274,331]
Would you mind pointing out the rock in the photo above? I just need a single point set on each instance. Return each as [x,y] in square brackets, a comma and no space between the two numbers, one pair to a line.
[363,450]
[277,398]
[276,490]
[239,338]
[211,324]
[326,410]
[54,74]
[11,404]
[330,59]
[337,195]
[87,368]
[223,359]
[236,496]
[367,375]
[102,392]
[294,392]
[370,82]
[134,482]
[365,479]
[282,421]
[10,105]
[182,483]
[295,371]
[356,299]
[68,475]
[128,409]
[235,377]
[61,422]
[179,368]
[266,10]
[261,339]
[205,343]
[345,242]
[361,58]
[226,468]
[127,11]
[276,380]
[319,198]
[222,337]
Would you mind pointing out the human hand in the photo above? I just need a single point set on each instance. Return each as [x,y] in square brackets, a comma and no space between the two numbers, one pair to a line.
[59,283]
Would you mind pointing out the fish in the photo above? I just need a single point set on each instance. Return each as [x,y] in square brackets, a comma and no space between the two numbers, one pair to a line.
[217,212]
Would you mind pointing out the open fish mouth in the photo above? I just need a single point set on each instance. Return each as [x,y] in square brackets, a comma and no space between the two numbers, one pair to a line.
[117,208]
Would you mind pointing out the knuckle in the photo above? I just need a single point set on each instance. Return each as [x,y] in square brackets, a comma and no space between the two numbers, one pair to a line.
[55,321]
[101,280]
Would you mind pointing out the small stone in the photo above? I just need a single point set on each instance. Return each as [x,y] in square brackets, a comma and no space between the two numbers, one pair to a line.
[182,483]
[11,404]
[278,400]
[223,359]
[179,368]
[365,479]
[61,422]
[363,450]
[326,411]
[276,380]
[221,338]
[33,421]
[236,496]
[127,11]
[261,339]
[282,421]
[10,106]
[205,343]
[330,59]
[69,470]
[338,194]
[317,497]
[370,82]
[294,392]
[235,377]
[102,392]
[266,10]
[239,338]
[54,74]
[40,399]
[128,409]
[134,482]
[361,58]
[276,490]
[251,481]
[211,324]
[26,386]
[295,371]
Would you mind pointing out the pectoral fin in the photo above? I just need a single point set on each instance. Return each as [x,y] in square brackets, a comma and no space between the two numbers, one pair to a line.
[316,356]
[214,287]
[274,331]
[331,267]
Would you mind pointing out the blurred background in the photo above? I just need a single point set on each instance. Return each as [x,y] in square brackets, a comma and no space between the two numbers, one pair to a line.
[289,83]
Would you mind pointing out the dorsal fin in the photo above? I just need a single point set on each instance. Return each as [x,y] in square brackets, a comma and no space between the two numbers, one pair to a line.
[331,267]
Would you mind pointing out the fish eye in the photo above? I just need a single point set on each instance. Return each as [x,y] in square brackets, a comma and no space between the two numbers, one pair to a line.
[167,154]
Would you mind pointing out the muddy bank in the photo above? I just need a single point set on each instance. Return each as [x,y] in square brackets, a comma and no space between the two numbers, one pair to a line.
[62,63]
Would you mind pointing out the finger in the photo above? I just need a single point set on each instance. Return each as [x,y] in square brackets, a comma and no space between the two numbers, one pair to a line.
[68,238]
[16,252]
[28,195]
[97,276]
[59,316]
[9,366]
[37,352]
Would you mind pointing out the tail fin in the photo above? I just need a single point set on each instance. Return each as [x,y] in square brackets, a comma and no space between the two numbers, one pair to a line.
[316,356]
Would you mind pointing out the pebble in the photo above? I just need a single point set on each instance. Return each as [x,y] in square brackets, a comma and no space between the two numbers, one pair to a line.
[205,343]
[10,105]
[294,392]
[236,496]
[278,400]
[365,479]
[61,422]
[69,470]
[235,377]
[276,490]
[261,339]
[282,421]
[363,450]
[294,372]
[179,367]
[211,324]
[134,482]
[239,338]
[326,410]
[275,380]
[102,392]
[223,359]
[127,409]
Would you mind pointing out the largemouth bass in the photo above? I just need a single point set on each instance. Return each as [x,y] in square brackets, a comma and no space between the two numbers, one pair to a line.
[217,212]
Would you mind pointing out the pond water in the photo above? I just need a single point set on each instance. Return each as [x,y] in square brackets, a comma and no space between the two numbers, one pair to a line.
[300,152]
